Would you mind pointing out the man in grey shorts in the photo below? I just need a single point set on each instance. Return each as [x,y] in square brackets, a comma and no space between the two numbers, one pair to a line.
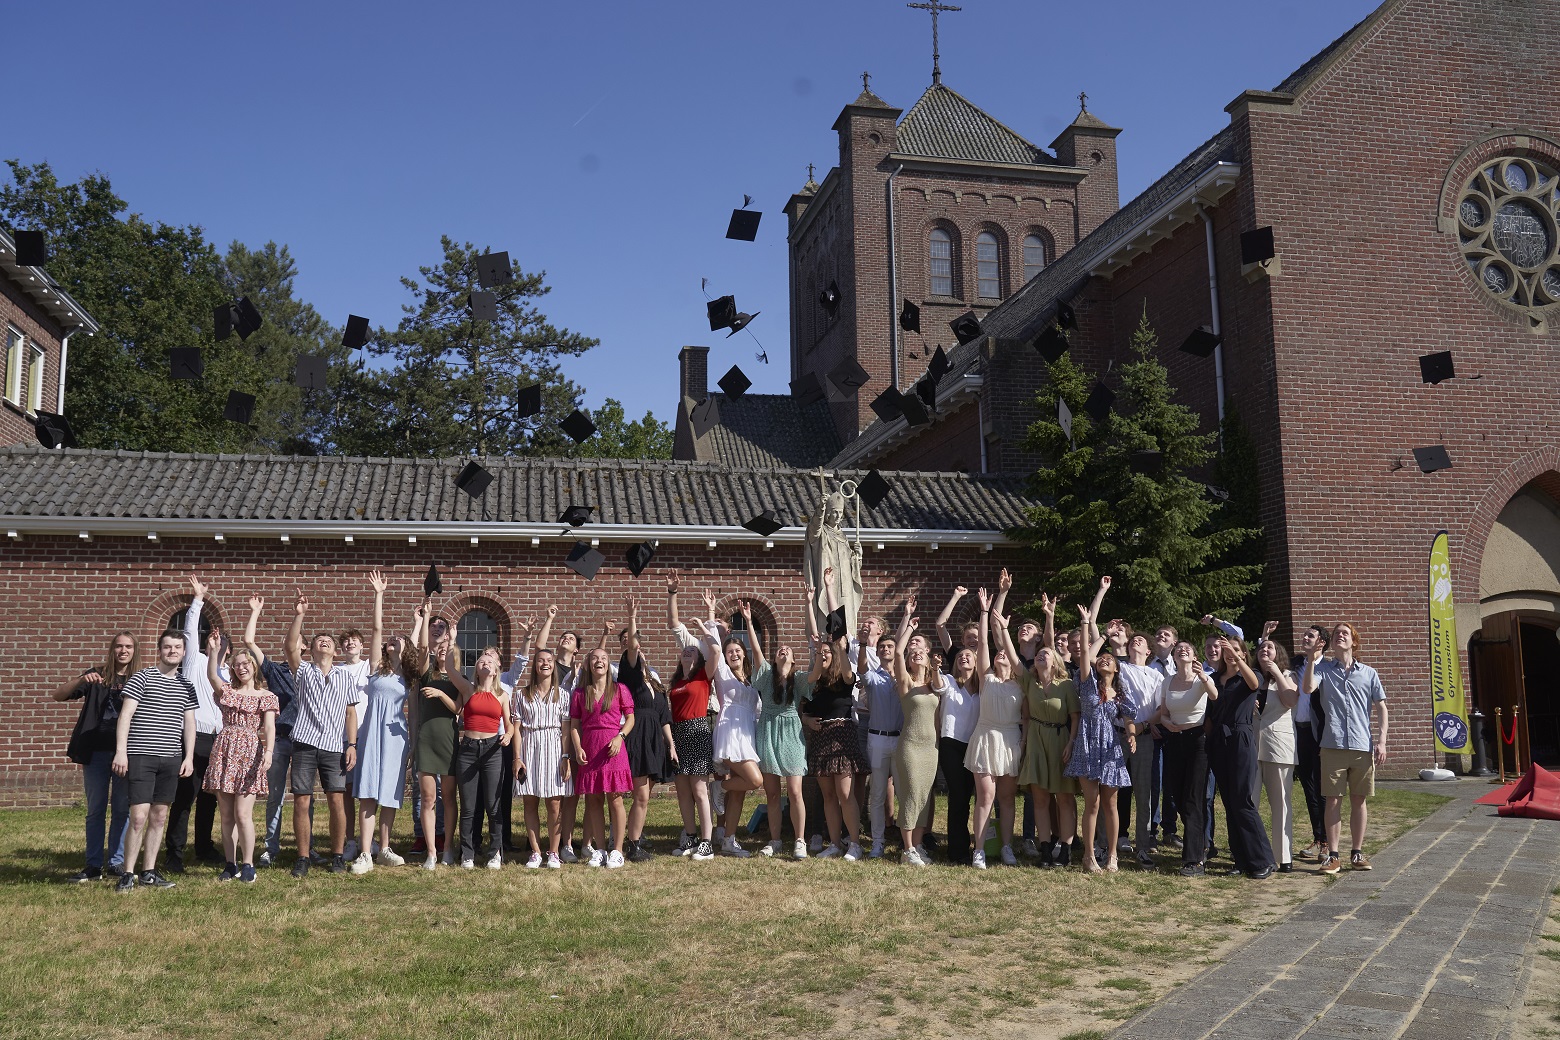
[324,737]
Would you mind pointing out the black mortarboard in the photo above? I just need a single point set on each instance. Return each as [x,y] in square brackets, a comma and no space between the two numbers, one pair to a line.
[888,405]
[910,317]
[845,379]
[926,390]
[54,431]
[704,416]
[584,561]
[576,516]
[473,480]
[356,333]
[309,373]
[834,624]
[1433,368]
[1200,343]
[830,297]
[764,524]
[871,489]
[914,410]
[1256,246]
[638,557]
[1145,460]
[246,318]
[483,306]
[722,312]
[493,270]
[578,426]
[1051,344]
[186,363]
[806,388]
[744,225]
[224,316]
[1064,418]
[1066,317]
[966,326]
[939,366]
[32,249]
[431,583]
[740,322]
[240,407]
[528,401]
[1099,401]
[734,383]
[1432,458]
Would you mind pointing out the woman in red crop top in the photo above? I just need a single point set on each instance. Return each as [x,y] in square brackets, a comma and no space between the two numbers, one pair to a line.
[485,728]
[690,697]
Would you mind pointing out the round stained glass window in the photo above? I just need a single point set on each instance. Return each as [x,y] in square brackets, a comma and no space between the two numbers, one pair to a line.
[1507,227]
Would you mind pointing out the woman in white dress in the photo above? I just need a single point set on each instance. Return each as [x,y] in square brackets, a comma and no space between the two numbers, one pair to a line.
[736,728]
[997,744]
[1276,743]
[542,770]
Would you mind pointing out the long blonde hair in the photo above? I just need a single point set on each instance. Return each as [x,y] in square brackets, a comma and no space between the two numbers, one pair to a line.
[608,697]
[529,690]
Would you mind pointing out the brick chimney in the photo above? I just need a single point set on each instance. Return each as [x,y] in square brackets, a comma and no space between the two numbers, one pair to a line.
[1089,143]
[693,375]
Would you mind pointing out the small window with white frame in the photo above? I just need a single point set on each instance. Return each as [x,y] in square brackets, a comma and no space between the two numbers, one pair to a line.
[15,346]
[35,381]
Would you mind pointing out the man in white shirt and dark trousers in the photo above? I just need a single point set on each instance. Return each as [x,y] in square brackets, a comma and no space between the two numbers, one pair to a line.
[1308,748]
[885,718]
[1142,692]
[154,749]
[208,723]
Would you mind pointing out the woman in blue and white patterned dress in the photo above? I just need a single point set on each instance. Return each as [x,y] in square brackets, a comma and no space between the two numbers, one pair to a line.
[1097,758]
[543,771]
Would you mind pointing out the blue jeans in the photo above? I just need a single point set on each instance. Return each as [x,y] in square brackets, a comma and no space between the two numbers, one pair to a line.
[281,765]
[105,790]
[1163,799]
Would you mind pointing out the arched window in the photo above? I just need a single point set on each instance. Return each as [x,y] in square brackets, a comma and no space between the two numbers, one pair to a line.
[941,252]
[1034,256]
[176,626]
[474,633]
[988,267]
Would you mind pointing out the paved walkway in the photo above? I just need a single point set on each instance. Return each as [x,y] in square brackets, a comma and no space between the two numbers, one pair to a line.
[1433,944]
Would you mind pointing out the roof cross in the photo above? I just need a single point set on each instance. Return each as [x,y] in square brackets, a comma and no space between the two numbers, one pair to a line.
[936,7]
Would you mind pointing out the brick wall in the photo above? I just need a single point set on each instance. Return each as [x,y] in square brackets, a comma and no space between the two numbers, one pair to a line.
[952,442]
[20,313]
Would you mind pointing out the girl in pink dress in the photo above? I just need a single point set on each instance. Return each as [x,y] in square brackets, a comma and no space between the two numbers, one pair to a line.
[603,714]
[241,754]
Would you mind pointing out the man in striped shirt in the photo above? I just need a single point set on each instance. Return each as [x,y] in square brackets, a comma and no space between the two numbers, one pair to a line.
[324,736]
[155,746]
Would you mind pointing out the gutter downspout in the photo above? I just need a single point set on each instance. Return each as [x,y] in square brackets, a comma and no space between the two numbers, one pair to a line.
[980,425]
[893,288]
[1213,304]
[59,405]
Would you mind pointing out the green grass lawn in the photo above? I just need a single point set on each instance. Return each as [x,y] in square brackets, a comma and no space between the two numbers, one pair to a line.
[667,949]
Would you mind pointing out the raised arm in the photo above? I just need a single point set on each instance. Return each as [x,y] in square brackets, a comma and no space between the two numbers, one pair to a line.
[1093,642]
[757,647]
[376,644]
[1048,607]
[632,651]
[191,662]
[450,666]
[256,605]
[1099,597]
[1241,664]
[422,623]
[1288,692]
[811,618]
[959,592]
[1004,584]
[1229,628]
[1005,638]
[709,644]
[295,632]
[213,654]
[983,652]
[904,621]
[906,629]
[672,621]
[543,638]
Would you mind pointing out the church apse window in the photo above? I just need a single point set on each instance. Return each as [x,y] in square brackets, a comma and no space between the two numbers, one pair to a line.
[1506,225]
[940,250]
[988,266]
[1034,256]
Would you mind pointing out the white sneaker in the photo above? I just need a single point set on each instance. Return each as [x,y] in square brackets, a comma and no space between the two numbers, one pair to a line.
[496,861]
[362,864]
[388,858]
[588,851]
[535,862]
[815,844]
[468,864]
[614,859]
[349,852]
[566,854]
[431,863]
[829,852]
[799,850]
[1029,848]
[877,850]
[911,858]
[1008,859]
[978,861]
[853,853]
[729,847]
[553,862]
[922,858]
[770,849]
[596,859]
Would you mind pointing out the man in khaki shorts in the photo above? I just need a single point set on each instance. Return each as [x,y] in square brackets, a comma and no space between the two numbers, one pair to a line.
[1351,698]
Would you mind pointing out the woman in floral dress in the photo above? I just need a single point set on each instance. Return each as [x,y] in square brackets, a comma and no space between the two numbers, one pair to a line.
[241,754]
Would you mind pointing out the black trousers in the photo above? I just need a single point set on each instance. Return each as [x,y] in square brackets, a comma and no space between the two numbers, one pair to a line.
[961,796]
[479,767]
[1186,773]
[1232,752]
[506,801]
[205,805]
[1309,752]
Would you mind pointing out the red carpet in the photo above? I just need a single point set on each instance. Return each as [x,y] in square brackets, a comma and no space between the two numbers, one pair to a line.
[1536,795]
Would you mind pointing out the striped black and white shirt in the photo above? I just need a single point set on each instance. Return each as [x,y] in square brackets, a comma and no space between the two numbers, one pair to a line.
[157,728]
[322,700]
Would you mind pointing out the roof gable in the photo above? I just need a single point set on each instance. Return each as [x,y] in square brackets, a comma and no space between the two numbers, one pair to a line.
[945,125]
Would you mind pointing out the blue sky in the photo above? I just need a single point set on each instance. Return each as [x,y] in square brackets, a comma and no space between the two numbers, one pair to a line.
[602,142]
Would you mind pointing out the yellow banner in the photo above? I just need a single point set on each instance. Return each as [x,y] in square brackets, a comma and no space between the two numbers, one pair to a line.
[1448,704]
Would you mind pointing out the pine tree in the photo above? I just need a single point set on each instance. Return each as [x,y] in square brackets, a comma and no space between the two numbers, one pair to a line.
[1143,519]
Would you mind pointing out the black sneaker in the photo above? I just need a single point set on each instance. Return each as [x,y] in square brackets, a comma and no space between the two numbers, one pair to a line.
[229,872]
[1047,855]
[126,883]
[316,859]
[246,874]
[112,873]
[1193,870]
[174,866]
[210,857]
[686,843]
[301,868]
[637,853]
[338,864]
[704,851]
[155,880]
[81,877]
[1063,856]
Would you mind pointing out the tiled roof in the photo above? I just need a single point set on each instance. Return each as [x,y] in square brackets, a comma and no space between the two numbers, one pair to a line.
[944,125]
[36,483]
[772,431]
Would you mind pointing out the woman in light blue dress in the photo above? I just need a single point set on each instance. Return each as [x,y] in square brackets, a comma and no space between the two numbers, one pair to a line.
[383,740]
[1097,759]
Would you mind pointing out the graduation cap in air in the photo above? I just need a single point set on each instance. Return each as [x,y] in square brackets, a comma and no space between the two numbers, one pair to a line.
[223,317]
[834,624]
[939,366]
[54,431]
[309,373]
[744,225]
[1098,402]
[578,426]
[431,583]
[240,407]
[1051,344]
[576,516]
[1066,317]
[926,390]
[493,270]
[764,524]
[1432,458]
[1256,246]
[186,363]
[638,557]
[806,388]
[872,489]
[966,327]
[914,410]
[1200,342]
[483,306]
[240,316]
[1433,368]
[32,249]
[1145,460]
[528,401]
[734,383]
[829,297]
[1064,418]
[356,333]
[473,480]
[740,322]
[910,317]
[889,404]
[845,379]
[722,312]
[704,416]
[584,561]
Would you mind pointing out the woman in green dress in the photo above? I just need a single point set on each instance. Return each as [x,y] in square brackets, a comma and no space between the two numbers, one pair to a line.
[915,756]
[436,706]
[1050,714]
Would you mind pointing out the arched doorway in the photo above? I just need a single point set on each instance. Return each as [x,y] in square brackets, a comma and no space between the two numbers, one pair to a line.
[1514,656]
